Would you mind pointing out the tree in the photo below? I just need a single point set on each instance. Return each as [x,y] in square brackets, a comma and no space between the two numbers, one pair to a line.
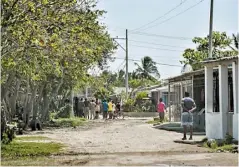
[147,69]
[221,48]
[47,49]
[235,39]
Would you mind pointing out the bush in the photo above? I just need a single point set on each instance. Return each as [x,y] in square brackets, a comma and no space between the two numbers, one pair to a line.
[65,112]
[9,134]
[69,122]
[141,95]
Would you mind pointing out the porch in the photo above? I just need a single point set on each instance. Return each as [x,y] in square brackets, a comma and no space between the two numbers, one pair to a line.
[221,97]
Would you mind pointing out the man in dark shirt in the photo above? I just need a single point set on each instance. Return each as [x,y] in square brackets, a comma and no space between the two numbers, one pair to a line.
[188,106]
[87,108]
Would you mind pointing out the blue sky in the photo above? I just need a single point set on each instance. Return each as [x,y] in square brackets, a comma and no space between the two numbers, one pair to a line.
[131,14]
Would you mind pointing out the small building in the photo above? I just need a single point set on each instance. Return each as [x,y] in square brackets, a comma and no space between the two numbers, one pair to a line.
[221,97]
[192,82]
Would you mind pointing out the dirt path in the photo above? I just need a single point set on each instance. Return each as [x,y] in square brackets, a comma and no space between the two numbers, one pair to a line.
[131,142]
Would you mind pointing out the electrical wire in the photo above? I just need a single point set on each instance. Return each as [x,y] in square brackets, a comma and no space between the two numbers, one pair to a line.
[157,48]
[173,65]
[157,44]
[174,15]
[165,14]
[117,69]
[161,36]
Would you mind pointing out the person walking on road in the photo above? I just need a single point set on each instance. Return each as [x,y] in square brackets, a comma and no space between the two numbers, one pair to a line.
[161,109]
[188,106]
[87,108]
[105,109]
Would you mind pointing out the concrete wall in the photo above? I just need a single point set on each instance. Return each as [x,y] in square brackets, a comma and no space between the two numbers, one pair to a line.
[141,114]
[235,125]
[214,125]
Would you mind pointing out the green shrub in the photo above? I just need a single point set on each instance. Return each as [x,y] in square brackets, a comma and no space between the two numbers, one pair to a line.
[228,139]
[9,134]
[141,95]
[69,122]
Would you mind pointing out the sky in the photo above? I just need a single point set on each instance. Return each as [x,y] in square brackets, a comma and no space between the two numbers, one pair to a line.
[165,38]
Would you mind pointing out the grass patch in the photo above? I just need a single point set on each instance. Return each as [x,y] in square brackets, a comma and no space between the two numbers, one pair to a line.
[69,122]
[29,149]
[227,147]
[27,138]
[153,122]
[156,120]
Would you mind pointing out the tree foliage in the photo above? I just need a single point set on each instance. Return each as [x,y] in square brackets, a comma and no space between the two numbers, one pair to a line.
[47,49]
[147,69]
[222,46]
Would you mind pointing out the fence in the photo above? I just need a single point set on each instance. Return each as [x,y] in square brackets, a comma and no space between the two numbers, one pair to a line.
[195,87]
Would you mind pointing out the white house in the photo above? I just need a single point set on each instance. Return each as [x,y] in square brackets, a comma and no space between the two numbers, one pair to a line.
[225,119]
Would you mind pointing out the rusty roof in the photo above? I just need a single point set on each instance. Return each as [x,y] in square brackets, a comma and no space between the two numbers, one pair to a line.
[184,76]
[221,59]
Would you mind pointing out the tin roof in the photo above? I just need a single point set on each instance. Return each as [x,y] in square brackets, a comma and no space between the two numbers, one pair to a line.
[221,59]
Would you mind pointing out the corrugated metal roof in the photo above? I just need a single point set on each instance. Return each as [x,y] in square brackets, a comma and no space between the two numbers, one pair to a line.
[213,60]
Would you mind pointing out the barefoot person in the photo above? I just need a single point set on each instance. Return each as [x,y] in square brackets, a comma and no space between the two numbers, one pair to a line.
[161,109]
[188,106]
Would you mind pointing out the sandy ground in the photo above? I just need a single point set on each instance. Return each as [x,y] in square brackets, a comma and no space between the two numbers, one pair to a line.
[131,142]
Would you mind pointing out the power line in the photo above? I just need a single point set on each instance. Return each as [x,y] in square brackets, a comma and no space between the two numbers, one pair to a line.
[174,15]
[156,63]
[157,48]
[161,36]
[160,16]
[120,65]
[157,44]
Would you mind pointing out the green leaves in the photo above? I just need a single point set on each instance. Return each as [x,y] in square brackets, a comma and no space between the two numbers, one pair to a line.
[221,48]
[51,35]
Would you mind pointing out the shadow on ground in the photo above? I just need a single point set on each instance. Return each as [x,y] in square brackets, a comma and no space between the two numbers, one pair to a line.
[176,127]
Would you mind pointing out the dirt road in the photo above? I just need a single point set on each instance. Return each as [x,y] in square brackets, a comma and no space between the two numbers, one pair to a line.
[132,142]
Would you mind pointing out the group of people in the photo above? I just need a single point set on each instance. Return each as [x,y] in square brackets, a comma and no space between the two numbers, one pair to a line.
[90,109]
[87,109]
[188,106]
[110,109]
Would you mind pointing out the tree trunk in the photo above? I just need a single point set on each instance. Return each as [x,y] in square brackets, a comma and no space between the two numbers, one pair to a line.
[13,98]
[37,102]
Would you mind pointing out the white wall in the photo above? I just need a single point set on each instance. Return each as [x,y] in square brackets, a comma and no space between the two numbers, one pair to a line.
[214,125]
[235,125]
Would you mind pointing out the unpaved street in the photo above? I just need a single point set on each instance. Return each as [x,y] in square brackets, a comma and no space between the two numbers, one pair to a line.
[131,142]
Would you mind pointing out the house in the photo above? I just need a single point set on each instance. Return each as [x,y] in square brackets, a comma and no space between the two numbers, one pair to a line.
[192,82]
[221,97]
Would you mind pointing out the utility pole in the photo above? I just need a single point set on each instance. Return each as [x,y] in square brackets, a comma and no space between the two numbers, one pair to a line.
[127,65]
[210,30]
[126,59]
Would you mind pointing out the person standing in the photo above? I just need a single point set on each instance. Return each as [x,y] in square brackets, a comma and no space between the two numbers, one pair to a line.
[92,109]
[113,109]
[105,109]
[161,109]
[97,110]
[81,106]
[188,106]
[110,105]
[87,108]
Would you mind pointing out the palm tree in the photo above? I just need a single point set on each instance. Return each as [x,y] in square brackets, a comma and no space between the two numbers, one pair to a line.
[235,40]
[147,69]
